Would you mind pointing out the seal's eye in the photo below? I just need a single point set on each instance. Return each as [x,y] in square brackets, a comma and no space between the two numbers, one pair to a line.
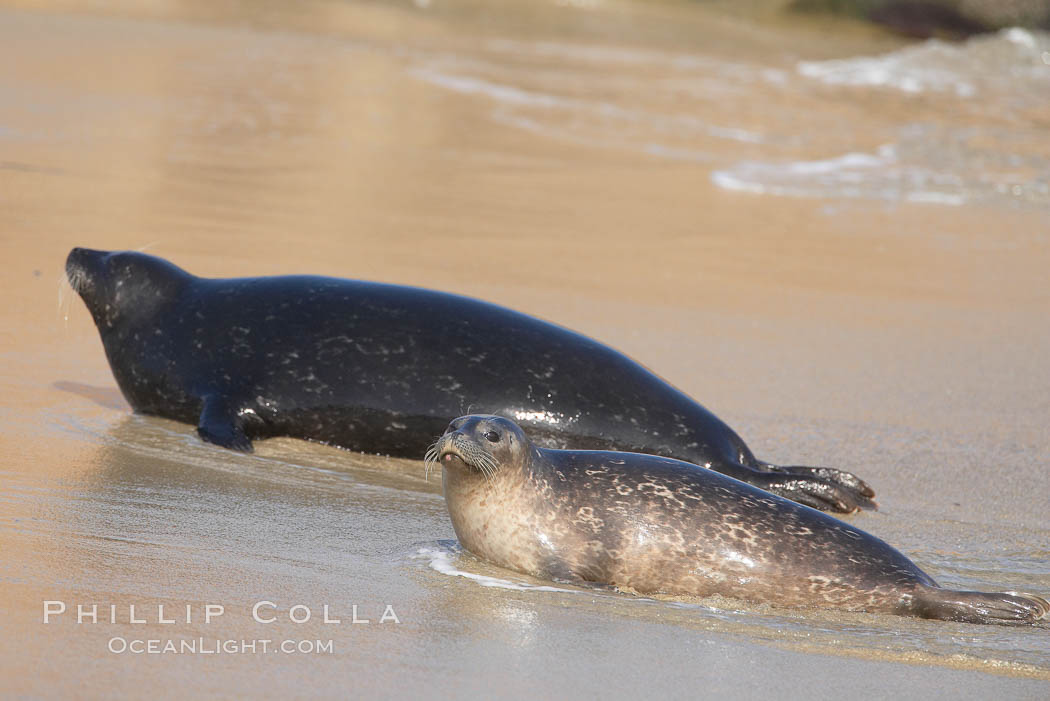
[492,436]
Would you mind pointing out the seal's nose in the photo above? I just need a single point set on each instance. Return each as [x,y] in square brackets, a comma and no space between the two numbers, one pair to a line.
[84,268]
[83,262]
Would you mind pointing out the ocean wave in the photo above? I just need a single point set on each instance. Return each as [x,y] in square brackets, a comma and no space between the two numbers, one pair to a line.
[1011,56]
[851,175]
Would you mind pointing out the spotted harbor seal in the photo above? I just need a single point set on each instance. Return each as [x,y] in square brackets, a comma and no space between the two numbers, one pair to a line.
[657,525]
[382,368]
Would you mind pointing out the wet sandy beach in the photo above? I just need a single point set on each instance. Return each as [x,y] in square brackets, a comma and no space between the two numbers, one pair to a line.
[836,242]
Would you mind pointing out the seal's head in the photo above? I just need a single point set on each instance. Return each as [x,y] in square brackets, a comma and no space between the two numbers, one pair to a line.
[122,286]
[479,444]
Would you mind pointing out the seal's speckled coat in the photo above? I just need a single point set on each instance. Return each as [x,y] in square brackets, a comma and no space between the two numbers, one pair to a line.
[382,368]
[657,525]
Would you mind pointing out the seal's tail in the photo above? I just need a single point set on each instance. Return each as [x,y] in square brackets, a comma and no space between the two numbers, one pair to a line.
[979,607]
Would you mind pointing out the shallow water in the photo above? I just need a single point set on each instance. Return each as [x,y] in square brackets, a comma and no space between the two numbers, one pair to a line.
[837,242]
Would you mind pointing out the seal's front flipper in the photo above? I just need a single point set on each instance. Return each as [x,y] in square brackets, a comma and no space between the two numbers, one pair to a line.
[220,425]
[978,606]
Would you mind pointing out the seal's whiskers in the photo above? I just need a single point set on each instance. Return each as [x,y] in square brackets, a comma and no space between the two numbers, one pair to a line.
[487,464]
[67,282]
[430,459]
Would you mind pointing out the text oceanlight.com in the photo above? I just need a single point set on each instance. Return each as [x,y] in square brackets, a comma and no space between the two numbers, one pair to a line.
[203,646]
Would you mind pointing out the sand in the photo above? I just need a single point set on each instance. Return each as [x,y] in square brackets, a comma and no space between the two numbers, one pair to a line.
[556,158]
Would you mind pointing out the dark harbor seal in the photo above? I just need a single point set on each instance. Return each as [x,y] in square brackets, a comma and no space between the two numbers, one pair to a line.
[382,368]
[657,525]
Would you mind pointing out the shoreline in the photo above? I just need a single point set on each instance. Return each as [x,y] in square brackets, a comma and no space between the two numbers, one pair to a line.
[901,341]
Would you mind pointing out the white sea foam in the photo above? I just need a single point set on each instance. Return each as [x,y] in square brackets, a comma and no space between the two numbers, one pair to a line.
[440,560]
[735,134]
[993,153]
[609,55]
[851,175]
[578,4]
[501,93]
[595,121]
[588,53]
[678,154]
[964,69]
[896,70]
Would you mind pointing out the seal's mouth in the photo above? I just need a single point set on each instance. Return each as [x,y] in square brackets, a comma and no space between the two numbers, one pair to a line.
[444,451]
[451,455]
[455,450]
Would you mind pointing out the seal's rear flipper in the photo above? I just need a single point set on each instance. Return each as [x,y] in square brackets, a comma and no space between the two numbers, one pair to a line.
[221,426]
[979,607]
[830,474]
[822,488]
